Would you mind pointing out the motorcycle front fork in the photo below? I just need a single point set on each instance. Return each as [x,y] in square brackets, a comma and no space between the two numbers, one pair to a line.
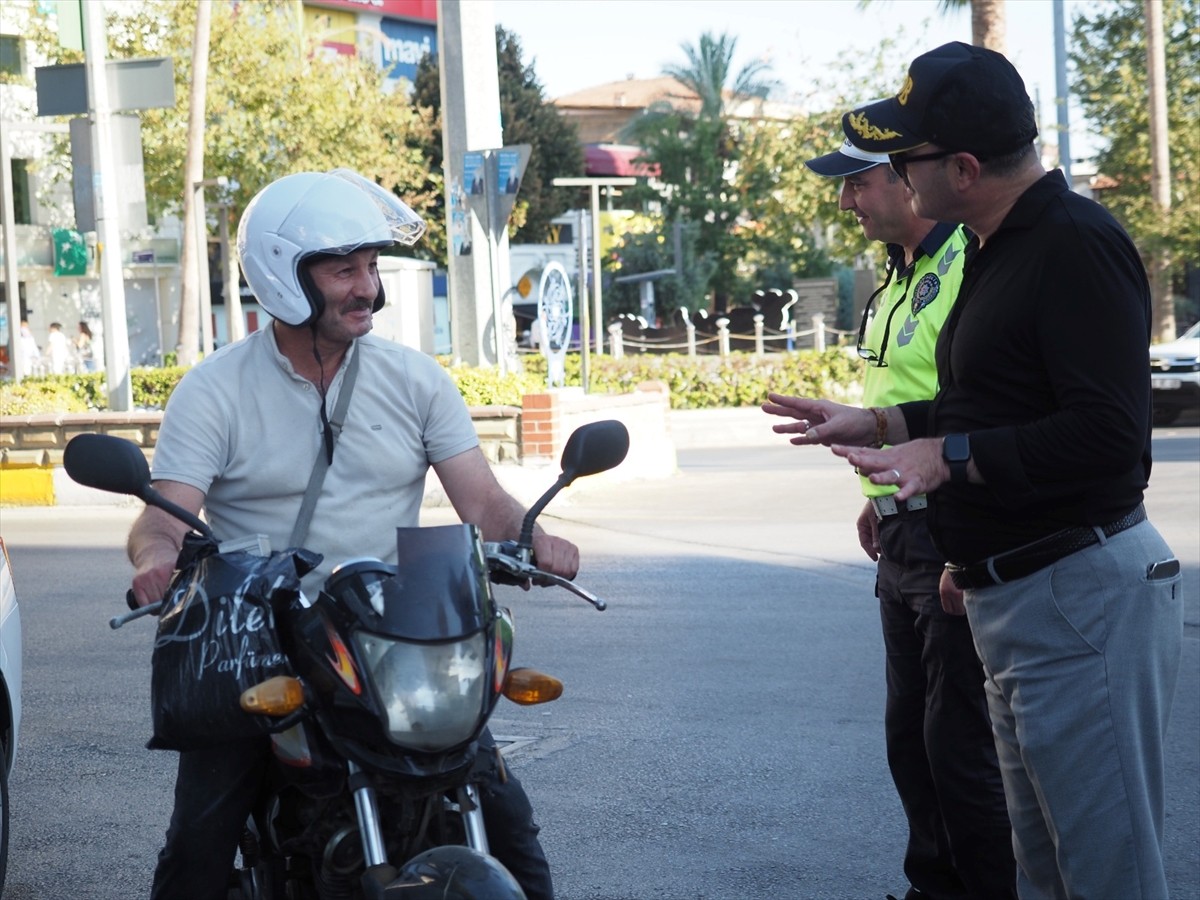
[367,808]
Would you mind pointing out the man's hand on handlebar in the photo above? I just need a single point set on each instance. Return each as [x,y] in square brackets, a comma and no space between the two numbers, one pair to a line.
[555,555]
[151,580]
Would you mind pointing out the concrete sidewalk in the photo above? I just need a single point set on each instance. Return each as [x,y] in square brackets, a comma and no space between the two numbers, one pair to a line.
[741,426]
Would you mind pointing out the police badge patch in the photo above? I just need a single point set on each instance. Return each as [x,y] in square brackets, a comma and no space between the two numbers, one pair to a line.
[926,292]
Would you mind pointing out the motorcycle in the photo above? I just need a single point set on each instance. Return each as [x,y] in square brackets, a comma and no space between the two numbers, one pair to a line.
[392,674]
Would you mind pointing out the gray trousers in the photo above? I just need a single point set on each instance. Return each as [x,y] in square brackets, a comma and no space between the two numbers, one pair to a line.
[1081,660]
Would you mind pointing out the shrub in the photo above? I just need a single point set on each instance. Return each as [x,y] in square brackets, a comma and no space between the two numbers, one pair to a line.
[487,387]
[40,395]
[152,387]
[87,391]
[700,382]
[741,379]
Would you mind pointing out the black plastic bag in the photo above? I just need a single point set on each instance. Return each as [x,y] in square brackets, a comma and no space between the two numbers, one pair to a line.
[217,636]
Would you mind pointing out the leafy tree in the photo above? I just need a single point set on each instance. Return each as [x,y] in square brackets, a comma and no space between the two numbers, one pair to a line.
[773,219]
[648,245]
[276,105]
[1109,58]
[526,118]
[697,151]
[792,219]
[427,97]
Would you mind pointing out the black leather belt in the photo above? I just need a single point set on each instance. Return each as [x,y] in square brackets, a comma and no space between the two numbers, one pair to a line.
[1013,564]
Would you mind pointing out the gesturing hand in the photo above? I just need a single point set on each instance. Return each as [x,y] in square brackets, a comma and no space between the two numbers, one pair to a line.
[915,467]
[821,421]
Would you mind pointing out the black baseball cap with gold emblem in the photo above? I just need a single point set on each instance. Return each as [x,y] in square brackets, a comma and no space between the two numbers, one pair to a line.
[962,98]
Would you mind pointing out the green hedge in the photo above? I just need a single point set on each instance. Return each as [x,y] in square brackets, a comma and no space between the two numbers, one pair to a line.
[701,382]
[740,379]
[83,392]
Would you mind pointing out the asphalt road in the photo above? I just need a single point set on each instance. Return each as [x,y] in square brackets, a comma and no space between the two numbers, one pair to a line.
[720,735]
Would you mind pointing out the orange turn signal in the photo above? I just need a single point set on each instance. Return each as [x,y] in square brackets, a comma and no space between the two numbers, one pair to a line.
[276,696]
[529,686]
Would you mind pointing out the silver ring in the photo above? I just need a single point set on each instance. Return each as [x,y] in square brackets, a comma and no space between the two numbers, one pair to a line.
[896,472]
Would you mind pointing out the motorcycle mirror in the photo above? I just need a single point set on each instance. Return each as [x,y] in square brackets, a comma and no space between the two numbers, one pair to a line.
[107,463]
[595,447]
[118,466]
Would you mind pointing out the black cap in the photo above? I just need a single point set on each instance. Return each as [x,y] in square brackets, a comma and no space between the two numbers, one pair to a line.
[960,97]
[848,160]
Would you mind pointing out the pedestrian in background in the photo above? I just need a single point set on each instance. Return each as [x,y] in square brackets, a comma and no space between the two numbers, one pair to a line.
[1036,456]
[83,348]
[31,353]
[58,350]
[939,738]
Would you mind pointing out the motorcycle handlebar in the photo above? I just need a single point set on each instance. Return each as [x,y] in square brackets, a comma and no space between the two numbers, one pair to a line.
[135,612]
[506,567]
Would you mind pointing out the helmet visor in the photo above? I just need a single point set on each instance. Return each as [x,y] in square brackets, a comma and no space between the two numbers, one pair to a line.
[406,226]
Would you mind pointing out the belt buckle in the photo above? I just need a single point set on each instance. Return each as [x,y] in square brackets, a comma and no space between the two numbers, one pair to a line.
[957,575]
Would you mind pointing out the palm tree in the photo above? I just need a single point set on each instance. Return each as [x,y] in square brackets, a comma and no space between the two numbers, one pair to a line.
[708,69]
[987,20]
[696,149]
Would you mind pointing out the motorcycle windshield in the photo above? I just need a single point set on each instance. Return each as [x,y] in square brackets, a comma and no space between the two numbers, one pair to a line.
[440,590]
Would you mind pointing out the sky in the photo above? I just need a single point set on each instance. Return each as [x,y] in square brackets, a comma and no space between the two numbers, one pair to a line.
[574,44]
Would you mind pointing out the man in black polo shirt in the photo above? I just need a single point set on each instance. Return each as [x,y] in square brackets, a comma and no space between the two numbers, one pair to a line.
[1035,454]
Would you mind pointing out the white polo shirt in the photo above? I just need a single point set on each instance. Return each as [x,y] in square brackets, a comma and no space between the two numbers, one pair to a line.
[245,429]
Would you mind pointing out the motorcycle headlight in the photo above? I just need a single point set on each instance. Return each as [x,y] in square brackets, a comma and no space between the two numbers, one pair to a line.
[433,694]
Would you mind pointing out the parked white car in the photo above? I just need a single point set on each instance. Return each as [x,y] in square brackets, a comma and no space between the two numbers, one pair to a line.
[10,694]
[1175,376]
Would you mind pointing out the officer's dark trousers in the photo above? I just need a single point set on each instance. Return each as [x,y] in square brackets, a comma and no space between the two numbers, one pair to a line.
[215,789]
[940,746]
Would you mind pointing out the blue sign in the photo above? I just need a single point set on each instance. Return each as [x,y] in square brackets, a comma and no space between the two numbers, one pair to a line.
[403,46]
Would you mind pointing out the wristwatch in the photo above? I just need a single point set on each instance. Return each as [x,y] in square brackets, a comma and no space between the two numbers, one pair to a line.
[956,451]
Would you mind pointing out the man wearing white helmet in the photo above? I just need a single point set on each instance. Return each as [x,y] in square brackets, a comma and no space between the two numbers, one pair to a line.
[239,438]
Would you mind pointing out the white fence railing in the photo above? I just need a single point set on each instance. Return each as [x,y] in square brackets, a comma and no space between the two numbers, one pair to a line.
[823,336]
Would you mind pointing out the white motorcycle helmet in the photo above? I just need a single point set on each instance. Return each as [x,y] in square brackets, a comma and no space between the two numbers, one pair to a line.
[311,213]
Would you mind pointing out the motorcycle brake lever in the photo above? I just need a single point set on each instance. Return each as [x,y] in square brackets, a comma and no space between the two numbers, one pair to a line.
[547,579]
[504,569]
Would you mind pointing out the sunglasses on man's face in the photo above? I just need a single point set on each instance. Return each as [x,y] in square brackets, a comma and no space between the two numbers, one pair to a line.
[900,163]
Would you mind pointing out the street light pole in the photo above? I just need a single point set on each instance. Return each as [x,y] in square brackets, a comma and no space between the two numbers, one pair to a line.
[112,283]
[595,184]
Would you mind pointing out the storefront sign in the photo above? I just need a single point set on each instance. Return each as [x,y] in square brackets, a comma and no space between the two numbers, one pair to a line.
[403,46]
[424,10]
